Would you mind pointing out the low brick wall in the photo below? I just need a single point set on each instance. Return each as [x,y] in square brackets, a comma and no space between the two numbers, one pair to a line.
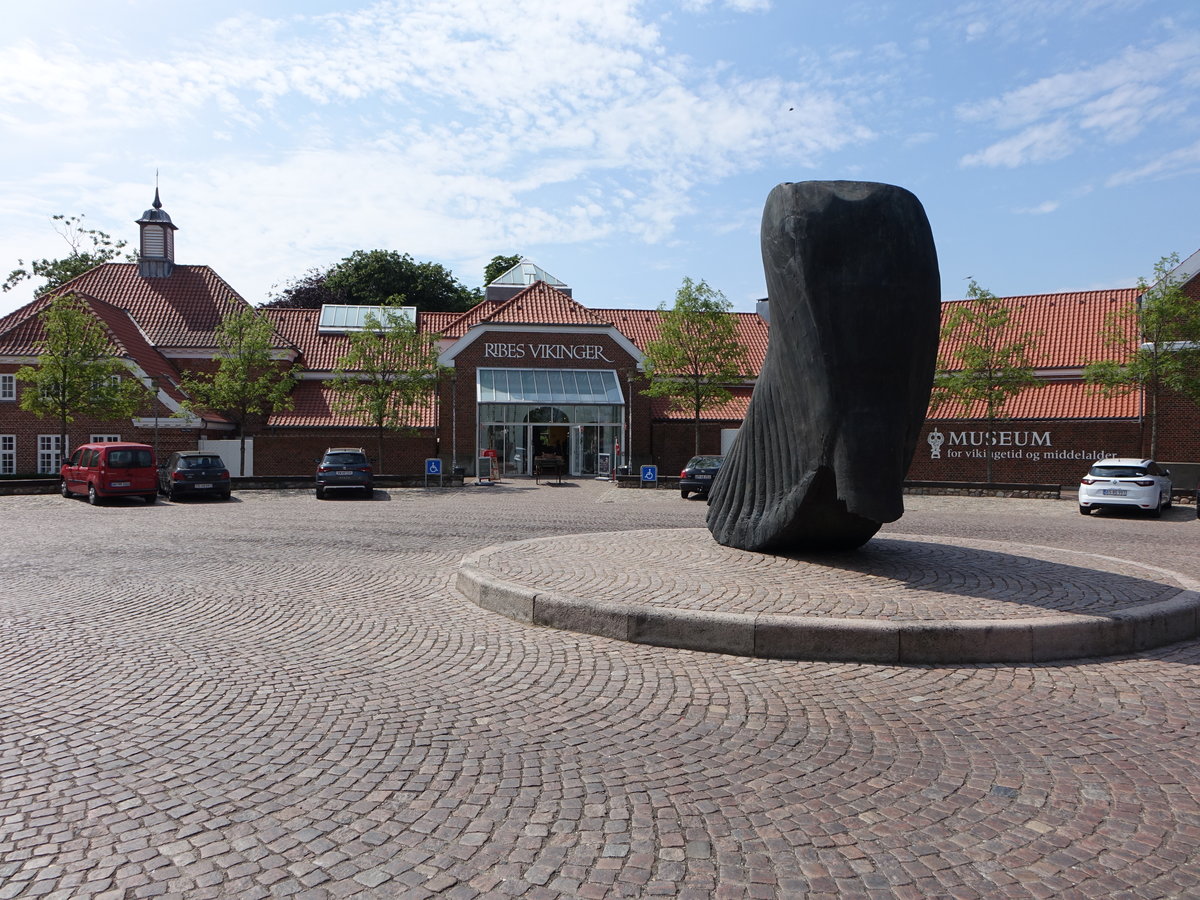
[9,487]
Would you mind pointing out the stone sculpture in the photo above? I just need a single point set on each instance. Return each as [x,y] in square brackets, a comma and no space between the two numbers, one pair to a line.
[854,299]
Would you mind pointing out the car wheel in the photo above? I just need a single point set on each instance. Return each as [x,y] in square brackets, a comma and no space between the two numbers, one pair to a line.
[93,497]
[1156,513]
[370,492]
[1085,510]
[1167,505]
[228,495]
[683,492]
[320,493]
[63,489]
[150,499]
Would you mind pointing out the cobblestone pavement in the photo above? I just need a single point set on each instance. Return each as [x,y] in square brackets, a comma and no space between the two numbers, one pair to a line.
[285,697]
[894,577]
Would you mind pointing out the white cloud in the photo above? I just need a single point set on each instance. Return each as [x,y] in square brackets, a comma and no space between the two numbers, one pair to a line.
[1038,143]
[1041,209]
[1023,21]
[542,100]
[1184,161]
[1116,101]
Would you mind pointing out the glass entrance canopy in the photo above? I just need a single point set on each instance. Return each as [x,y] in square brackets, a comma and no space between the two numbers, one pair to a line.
[548,386]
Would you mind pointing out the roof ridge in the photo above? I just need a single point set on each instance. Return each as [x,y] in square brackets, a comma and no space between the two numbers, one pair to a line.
[547,291]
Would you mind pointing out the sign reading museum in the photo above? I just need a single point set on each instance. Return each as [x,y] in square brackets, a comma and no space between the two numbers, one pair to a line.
[1030,445]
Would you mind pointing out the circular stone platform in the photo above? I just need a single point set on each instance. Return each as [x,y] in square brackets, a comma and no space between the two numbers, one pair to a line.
[899,599]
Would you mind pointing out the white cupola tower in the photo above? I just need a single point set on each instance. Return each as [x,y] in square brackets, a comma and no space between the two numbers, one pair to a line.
[157,246]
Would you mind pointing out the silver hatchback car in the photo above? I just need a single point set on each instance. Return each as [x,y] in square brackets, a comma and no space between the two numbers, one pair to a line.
[1125,482]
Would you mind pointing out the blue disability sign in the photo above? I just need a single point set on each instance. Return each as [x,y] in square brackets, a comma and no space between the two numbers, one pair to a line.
[649,473]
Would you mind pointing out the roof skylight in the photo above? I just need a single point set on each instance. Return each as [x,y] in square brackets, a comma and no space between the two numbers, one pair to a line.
[338,319]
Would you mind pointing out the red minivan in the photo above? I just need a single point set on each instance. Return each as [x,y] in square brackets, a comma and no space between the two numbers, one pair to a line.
[111,470]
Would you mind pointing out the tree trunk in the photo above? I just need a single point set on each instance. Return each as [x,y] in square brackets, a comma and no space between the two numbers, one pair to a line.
[62,442]
[1154,424]
[987,447]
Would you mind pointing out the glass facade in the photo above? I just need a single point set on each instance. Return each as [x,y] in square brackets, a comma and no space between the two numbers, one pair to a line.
[576,415]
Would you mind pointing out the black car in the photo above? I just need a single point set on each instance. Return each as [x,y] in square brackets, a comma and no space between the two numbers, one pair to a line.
[697,476]
[194,473]
[345,468]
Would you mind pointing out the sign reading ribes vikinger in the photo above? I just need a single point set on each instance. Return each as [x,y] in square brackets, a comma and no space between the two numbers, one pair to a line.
[522,350]
[1033,446]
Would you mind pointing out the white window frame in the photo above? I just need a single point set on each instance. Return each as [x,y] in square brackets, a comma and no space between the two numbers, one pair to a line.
[8,388]
[105,439]
[50,454]
[8,454]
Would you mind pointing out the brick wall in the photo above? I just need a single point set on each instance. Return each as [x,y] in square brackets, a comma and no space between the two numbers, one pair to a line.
[674,441]
[26,427]
[295,451]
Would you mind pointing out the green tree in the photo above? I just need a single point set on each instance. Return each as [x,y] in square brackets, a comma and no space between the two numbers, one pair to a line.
[379,278]
[1157,344]
[89,248]
[388,374]
[697,353]
[307,291]
[990,363]
[76,373]
[248,381]
[498,266]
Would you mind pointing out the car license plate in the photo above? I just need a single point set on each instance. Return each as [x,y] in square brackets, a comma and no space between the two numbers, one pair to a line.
[1114,492]
[704,478]
[203,485]
[119,484]
[344,472]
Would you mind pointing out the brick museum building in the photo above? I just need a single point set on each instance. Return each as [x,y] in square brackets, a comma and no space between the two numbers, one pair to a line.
[534,371]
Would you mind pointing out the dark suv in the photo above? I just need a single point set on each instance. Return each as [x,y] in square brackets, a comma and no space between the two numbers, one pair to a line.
[345,468]
[697,476]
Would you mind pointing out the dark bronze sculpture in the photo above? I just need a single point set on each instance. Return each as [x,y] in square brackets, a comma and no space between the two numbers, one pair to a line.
[854,291]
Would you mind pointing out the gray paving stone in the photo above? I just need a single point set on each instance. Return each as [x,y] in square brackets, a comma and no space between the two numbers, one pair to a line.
[247,695]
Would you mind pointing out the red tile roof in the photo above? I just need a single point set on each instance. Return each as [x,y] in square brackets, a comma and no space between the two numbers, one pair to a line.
[318,352]
[645,325]
[298,327]
[313,407]
[1069,327]
[181,311]
[435,322]
[733,411]
[1053,400]
[538,304]
[21,334]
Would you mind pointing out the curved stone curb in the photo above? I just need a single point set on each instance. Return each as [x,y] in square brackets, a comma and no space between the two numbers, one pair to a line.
[774,636]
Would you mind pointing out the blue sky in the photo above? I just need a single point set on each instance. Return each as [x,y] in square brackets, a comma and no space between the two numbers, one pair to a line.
[621,145]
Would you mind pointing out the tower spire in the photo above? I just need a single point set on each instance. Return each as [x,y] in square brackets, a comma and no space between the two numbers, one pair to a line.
[157,256]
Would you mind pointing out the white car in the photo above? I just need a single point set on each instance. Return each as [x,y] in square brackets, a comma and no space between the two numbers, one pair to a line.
[1120,481]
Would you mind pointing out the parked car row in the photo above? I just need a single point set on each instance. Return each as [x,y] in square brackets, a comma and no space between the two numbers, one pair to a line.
[100,471]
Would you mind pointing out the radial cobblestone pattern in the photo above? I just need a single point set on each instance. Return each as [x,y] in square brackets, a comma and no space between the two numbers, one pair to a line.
[281,697]
[899,578]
